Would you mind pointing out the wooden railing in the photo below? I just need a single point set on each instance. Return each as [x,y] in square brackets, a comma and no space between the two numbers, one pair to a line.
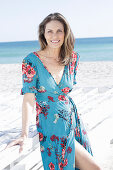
[29,159]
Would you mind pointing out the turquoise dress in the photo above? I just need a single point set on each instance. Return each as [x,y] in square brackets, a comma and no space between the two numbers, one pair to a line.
[57,120]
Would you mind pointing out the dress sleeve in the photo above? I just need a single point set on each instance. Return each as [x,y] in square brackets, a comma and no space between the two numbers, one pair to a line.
[29,76]
[77,59]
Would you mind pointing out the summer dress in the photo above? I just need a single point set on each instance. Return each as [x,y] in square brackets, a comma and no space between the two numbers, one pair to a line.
[57,119]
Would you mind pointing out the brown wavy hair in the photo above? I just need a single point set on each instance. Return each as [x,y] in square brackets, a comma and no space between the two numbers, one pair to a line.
[69,40]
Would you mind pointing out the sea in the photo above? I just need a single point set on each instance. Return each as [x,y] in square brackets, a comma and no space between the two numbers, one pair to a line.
[89,49]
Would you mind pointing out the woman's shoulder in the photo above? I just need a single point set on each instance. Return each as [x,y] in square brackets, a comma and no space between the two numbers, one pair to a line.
[75,56]
[30,57]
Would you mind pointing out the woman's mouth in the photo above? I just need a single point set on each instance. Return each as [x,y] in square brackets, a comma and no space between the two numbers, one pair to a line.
[55,41]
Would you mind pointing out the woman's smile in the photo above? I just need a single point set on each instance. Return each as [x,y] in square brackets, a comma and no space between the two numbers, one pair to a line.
[54,41]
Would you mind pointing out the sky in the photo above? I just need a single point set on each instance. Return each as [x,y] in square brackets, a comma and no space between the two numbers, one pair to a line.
[19,19]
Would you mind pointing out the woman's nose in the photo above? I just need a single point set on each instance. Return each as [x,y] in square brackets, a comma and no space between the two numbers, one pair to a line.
[54,35]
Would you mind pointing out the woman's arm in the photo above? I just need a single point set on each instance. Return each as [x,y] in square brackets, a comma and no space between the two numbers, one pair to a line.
[27,109]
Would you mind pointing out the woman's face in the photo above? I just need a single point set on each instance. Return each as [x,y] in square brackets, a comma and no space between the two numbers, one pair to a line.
[54,34]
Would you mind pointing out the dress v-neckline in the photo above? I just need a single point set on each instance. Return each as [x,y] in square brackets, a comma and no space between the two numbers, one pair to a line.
[36,54]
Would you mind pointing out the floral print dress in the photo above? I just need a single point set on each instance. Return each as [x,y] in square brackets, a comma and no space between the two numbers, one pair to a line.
[57,120]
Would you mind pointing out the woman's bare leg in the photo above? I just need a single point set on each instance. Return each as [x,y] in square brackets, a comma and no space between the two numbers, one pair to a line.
[83,160]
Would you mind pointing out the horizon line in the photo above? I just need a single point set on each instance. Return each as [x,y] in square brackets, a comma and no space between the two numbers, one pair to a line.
[38,40]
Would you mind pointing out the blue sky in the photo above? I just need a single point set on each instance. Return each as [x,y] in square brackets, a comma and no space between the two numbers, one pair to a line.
[19,19]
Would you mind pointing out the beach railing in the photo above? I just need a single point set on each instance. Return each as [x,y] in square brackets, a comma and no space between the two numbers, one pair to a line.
[29,159]
[94,100]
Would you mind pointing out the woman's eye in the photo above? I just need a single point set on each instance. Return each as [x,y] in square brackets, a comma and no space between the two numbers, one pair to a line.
[59,30]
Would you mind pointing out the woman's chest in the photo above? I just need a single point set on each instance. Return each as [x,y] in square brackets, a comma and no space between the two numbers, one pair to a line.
[55,70]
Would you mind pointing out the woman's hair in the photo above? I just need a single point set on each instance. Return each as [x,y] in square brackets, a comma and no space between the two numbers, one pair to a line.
[69,40]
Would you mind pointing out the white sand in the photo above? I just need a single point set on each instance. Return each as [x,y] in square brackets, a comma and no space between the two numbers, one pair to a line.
[95,105]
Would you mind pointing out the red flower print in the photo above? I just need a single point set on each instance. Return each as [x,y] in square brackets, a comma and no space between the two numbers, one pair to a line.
[49,152]
[61,97]
[64,141]
[37,120]
[54,138]
[77,132]
[66,90]
[41,148]
[69,149]
[42,109]
[76,67]
[23,68]
[38,111]
[28,70]
[28,80]
[34,87]
[60,166]
[73,63]
[42,89]
[38,108]
[84,144]
[65,162]
[51,166]
[75,59]
[71,70]
[63,153]
[84,132]
[74,56]
[40,136]
[51,98]
[57,138]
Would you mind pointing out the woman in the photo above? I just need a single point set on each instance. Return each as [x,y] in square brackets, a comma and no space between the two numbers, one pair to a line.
[48,78]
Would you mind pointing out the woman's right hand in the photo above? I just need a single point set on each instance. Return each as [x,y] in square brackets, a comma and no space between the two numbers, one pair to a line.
[22,141]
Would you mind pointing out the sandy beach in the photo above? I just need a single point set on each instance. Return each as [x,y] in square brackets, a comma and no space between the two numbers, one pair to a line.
[94,103]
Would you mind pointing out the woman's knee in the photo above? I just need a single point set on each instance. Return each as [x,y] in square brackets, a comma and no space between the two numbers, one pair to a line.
[84,160]
[97,167]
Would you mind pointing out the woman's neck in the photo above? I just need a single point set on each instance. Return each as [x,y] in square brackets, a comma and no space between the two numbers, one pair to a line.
[52,52]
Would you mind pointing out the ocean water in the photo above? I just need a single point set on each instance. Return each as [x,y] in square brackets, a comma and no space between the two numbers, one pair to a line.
[90,49]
